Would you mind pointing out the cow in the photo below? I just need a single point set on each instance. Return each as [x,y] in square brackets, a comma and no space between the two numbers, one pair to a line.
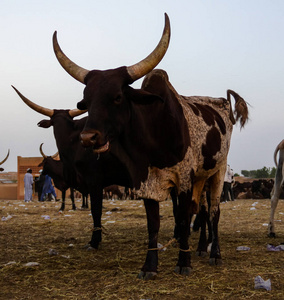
[54,168]
[2,162]
[165,140]
[278,186]
[83,170]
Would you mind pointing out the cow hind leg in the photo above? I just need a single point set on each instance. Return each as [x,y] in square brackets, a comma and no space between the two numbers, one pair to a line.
[150,267]
[183,266]
[216,190]
[271,225]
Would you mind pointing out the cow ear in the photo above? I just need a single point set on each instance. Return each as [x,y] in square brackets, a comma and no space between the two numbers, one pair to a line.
[82,105]
[142,97]
[44,123]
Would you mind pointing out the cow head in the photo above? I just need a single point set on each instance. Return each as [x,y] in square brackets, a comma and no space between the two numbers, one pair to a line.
[48,161]
[107,94]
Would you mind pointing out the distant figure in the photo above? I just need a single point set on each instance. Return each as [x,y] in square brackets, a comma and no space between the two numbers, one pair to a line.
[47,188]
[40,183]
[28,181]
[227,188]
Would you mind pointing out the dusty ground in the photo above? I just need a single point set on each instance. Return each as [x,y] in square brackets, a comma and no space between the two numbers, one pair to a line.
[111,272]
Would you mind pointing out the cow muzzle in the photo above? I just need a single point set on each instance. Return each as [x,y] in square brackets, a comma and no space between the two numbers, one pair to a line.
[94,139]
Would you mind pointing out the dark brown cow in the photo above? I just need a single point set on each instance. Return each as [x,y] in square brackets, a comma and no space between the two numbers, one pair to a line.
[55,169]
[164,139]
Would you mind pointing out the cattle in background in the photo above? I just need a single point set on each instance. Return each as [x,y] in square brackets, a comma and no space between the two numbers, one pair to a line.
[54,168]
[112,191]
[2,162]
[278,186]
[165,140]
[83,170]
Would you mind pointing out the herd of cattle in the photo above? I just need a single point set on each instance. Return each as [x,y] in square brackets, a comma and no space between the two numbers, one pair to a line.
[152,140]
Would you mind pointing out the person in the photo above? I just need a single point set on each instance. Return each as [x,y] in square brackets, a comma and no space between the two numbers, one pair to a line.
[227,188]
[28,183]
[40,183]
[47,188]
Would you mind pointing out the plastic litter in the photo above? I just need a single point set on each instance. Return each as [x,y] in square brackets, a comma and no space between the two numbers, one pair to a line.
[46,217]
[160,246]
[259,283]
[6,218]
[10,263]
[272,248]
[31,264]
[243,248]
[52,252]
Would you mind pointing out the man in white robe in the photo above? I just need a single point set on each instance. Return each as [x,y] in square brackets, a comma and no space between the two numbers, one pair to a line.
[28,180]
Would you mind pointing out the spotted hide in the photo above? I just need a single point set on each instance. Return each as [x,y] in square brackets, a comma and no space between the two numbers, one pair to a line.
[278,186]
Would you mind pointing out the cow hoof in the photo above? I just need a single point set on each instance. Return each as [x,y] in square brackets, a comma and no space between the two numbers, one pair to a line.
[147,275]
[272,235]
[201,253]
[183,271]
[215,261]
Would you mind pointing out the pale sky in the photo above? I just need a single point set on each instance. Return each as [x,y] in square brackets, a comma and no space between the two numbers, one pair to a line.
[215,46]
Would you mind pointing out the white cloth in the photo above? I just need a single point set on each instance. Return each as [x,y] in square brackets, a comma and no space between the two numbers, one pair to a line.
[28,181]
[229,175]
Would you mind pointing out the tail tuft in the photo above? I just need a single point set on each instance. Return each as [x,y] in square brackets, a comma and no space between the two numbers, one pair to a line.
[241,109]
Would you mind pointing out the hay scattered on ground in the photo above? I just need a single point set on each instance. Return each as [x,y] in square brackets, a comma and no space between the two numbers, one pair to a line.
[33,229]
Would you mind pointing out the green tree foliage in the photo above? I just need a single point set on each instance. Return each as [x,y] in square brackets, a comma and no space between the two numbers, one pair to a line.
[260,173]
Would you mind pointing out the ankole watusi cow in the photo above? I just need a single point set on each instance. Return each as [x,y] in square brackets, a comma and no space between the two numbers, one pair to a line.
[83,170]
[165,140]
[278,186]
[2,162]
[54,168]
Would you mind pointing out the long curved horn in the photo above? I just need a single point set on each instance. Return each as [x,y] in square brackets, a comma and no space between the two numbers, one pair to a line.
[40,109]
[2,162]
[45,156]
[41,152]
[68,65]
[76,112]
[150,62]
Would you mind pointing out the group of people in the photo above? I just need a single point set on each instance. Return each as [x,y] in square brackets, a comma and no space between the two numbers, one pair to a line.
[44,184]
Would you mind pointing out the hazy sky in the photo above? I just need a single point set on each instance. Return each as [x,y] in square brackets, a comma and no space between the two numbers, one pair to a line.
[215,46]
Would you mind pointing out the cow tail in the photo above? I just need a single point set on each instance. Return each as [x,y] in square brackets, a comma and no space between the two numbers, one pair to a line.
[241,109]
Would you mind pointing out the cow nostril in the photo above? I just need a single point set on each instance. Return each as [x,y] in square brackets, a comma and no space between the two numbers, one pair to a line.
[89,138]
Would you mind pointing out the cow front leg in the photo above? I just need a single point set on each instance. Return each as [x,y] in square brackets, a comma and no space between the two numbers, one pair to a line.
[150,267]
[63,193]
[183,266]
[96,196]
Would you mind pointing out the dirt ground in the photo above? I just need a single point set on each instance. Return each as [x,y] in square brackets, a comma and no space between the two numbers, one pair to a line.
[28,232]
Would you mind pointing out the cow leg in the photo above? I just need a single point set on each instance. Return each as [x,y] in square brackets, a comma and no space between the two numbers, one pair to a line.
[203,216]
[183,266]
[72,198]
[216,186]
[63,201]
[276,191]
[85,200]
[96,196]
[149,269]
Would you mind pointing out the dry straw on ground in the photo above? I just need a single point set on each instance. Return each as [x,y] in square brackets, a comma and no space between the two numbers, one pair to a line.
[111,272]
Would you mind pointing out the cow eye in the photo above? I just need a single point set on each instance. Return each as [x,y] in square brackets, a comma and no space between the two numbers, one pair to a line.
[118,99]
